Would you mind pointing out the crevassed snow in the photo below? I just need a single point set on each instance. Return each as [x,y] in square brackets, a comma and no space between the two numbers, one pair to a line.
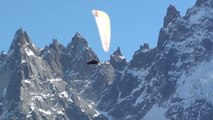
[156,113]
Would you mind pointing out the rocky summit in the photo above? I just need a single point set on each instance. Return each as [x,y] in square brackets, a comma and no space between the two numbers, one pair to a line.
[172,81]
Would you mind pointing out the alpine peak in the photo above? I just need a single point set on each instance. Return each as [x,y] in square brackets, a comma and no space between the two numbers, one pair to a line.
[171,15]
[78,40]
[21,38]
[23,44]
[118,52]
[77,35]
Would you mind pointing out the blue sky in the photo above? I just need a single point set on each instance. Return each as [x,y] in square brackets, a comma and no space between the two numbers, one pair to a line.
[132,22]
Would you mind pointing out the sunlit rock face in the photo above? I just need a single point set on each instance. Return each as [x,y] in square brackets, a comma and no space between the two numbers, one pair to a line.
[171,81]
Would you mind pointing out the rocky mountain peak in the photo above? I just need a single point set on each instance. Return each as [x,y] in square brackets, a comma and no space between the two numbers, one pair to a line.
[118,60]
[77,35]
[118,52]
[172,80]
[21,38]
[171,15]
[78,53]
[145,47]
[56,45]
[22,44]
[78,42]
[78,39]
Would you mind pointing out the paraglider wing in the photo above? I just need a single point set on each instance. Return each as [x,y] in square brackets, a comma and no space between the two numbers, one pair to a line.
[103,23]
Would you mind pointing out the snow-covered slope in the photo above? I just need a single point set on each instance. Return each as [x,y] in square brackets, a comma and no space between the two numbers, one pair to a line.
[171,81]
[176,75]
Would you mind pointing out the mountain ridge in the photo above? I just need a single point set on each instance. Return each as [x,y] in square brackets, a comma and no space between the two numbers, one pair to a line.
[171,81]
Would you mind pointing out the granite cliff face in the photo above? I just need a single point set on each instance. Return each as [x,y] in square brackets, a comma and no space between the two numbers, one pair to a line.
[171,81]
[48,83]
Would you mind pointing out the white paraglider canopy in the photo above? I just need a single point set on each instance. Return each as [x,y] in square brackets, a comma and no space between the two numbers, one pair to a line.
[103,23]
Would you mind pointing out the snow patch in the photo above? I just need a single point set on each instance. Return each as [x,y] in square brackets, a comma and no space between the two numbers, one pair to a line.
[27,81]
[138,73]
[28,116]
[195,19]
[197,85]
[32,106]
[107,115]
[156,113]
[82,110]
[29,52]
[23,61]
[60,112]
[63,94]
[54,80]
[45,112]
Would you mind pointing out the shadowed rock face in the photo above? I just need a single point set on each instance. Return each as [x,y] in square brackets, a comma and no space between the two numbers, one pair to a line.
[56,82]
[171,15]
[117,60]
[153,75]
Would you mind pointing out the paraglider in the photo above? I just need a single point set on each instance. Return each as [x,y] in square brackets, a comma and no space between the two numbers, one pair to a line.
[93,62]
[103,23]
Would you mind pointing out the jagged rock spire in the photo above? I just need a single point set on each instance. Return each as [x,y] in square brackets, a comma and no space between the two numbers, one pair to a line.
[171,15]
[22,44]
[145,47]
[118,52]
[77,40]
[117,60]
[77,35]
[21,38]
[56,45]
